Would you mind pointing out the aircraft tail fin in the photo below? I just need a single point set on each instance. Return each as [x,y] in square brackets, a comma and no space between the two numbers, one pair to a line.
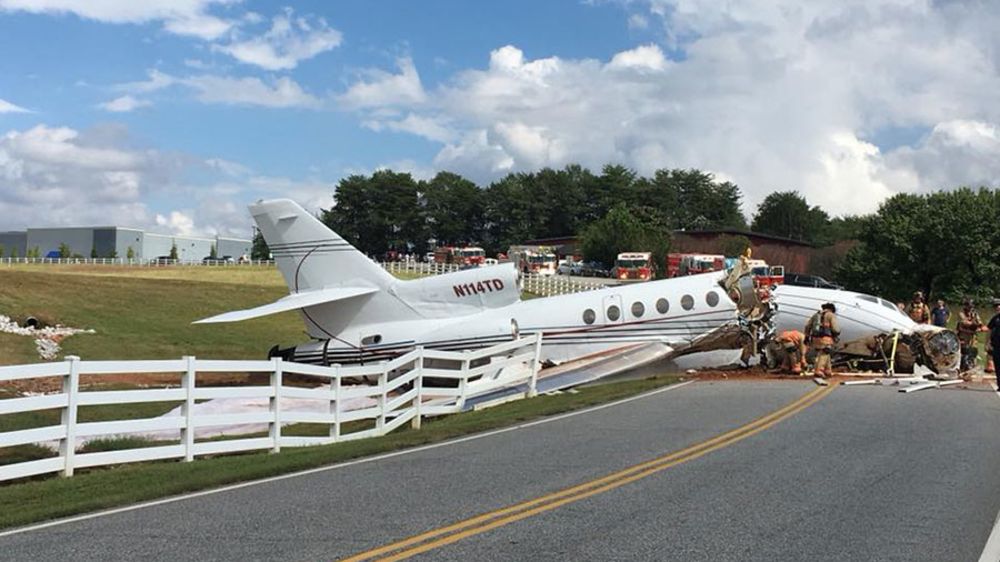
[309,255]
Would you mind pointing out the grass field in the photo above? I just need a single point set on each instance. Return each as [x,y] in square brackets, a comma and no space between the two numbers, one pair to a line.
[146,313]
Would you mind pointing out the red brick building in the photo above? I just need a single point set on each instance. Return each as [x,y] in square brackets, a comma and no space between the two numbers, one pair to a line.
[797,256]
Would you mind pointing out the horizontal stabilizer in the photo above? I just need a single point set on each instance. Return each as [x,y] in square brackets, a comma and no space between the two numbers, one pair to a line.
[293,301]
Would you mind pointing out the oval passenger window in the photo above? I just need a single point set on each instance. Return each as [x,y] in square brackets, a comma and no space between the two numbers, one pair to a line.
[662,306]
[589,316]
[638,309]
[712,298]
[614,313]
[687,302]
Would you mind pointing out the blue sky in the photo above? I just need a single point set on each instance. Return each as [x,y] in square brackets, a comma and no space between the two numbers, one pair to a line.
[174,114]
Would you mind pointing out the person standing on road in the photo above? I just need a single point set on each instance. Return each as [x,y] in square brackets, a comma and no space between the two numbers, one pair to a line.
[918,311]
[822,332]
[968,325]
[994,327]
[940,314]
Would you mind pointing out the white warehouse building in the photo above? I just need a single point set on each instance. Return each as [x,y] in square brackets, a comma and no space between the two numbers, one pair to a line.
[116,241]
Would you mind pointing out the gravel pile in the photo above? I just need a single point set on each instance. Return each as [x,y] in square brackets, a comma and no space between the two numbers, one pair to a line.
[46,339]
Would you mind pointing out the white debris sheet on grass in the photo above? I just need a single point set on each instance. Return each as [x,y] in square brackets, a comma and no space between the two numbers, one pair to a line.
[222,406]
[46,339]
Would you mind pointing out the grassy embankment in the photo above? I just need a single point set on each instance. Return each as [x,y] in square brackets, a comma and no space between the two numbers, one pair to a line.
[142,313]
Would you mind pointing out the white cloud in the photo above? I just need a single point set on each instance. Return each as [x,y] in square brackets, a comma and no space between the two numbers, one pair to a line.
[124,104]
[428,127]
[59,176]
[637,21]
[386,89]
[177,222]
[646,57]
[251,91]
[183,17]
[157,81]
[289,41]
[7,107]
[775,95]
[281,93]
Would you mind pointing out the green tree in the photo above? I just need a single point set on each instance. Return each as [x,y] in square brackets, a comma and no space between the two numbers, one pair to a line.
[454,209]
[130,253]
[13,252]
[379,213]
[787,214]
[259,250]
[93,252]
[942,243]
[1,250]
[624,229]
[733,246]
[213,253]
[173,250]
[64,251]
[113,254]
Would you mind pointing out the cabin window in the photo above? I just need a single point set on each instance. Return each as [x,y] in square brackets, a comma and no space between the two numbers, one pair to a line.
[712,298]
[687,302]
[371,340]
[638,309]
[662,306]
[589,316]
[614,313]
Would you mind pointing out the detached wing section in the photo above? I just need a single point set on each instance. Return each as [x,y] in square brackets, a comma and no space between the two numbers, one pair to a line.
[293,301]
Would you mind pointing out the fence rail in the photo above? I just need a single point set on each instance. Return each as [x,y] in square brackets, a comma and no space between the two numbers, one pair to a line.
[418,384]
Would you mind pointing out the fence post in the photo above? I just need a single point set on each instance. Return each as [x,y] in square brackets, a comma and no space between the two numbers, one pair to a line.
[70,386]
[335,405]
[380,420]
[418,385]
[274,431]
[188,382]
[463,384]
[536,365]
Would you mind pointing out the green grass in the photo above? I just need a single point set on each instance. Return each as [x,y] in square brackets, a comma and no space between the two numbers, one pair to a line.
[52,497]
[146,318]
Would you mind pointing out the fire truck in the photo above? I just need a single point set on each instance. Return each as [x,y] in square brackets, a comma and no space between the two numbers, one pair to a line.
[767,275]
[691,264]
[633,265]
[468,255]
[533,259]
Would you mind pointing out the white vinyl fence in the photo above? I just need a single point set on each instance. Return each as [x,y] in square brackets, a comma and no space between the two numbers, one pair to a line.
[420,383]
[551,285]
[419,267]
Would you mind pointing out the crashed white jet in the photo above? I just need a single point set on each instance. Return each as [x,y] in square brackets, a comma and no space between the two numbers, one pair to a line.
[357,313]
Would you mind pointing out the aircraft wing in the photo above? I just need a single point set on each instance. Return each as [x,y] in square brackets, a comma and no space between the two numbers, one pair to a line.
[293,301]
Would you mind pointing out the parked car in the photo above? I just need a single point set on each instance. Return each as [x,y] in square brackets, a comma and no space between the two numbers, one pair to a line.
[593,269]
[569,267]
[805,280]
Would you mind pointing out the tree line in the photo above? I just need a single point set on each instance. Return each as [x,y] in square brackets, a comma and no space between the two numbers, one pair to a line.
[392,211]
[941,243]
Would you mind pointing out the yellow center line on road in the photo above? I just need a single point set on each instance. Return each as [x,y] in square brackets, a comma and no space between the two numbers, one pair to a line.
[455,532]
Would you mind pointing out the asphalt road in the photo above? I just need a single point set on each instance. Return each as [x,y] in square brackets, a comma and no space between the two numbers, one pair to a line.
[865,473]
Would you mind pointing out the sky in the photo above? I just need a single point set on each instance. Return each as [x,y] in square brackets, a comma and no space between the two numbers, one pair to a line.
[173,115]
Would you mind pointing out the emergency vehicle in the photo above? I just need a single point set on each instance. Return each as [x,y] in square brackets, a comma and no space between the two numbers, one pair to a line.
[633,265]
[468,255]
[533,259]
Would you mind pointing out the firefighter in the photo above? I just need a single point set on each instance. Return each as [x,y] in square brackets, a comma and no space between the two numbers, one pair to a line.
[969,324]
[793,345]
[918,311]
[822,332]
